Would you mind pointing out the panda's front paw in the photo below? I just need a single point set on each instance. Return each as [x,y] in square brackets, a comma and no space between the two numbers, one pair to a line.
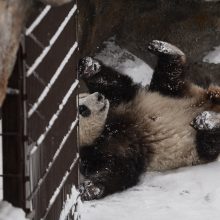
[163,48]
[207,121]
[91,191]
[88,67]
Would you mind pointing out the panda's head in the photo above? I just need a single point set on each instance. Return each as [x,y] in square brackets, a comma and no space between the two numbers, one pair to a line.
[93,111]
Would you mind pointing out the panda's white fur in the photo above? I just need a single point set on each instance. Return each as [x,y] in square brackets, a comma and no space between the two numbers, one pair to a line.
[165,123]
[91,127]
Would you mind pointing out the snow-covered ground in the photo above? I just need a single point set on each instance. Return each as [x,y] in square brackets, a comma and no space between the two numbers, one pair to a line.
[8,212]
[191,193]
[125,62]
[213,56]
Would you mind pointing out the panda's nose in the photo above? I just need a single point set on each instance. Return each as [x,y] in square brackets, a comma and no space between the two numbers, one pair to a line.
[99,96]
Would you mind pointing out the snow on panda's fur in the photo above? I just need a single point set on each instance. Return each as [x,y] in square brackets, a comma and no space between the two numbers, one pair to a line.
[144,130]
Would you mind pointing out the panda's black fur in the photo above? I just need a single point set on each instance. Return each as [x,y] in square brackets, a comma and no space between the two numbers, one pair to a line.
[136,137]
[116,87]
[106,162]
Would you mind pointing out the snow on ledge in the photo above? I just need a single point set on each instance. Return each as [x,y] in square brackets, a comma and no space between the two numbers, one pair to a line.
[8,212]
[71,204]
[125,62]
[213,56]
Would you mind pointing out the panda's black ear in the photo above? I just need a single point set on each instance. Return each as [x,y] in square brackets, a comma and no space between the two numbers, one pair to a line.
[84,111]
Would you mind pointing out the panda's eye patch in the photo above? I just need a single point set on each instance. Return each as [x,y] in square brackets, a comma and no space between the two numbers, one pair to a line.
[84,111]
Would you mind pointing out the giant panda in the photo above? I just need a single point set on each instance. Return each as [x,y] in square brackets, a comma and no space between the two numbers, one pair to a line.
[173,124]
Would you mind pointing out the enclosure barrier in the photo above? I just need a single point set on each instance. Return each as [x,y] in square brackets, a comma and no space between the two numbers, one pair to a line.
[40,122]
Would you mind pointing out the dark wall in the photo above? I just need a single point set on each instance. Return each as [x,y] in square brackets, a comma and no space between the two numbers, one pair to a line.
[192,25]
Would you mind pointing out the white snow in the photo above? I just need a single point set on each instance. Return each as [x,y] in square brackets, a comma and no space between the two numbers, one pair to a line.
[125,62]
[191,193]
[213,56]
[37,21]
[165,47]
[8,212]
[70,204]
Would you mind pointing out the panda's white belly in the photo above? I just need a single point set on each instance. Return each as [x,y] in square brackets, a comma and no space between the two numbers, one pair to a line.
[166,126]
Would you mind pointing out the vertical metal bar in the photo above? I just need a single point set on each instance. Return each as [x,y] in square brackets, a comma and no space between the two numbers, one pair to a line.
[77,98]
[28,204]
[13,146]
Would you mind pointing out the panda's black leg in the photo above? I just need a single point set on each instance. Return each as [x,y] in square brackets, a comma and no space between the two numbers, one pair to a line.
[169,75]
[117,175]
[207,125]
[116,87]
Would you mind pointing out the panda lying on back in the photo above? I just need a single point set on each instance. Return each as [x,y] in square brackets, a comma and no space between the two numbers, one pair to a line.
[143,130]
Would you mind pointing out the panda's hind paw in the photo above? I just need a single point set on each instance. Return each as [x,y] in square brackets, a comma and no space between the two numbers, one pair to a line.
[161,48]
[91,191]
[207,121]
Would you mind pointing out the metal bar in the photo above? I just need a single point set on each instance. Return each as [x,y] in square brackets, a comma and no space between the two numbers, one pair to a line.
[32,36]
[13,139]
[11,175]
[53,80]
[57,191]
[50,165]
[51,42]
[10,134]
[54,117]
[37,21]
